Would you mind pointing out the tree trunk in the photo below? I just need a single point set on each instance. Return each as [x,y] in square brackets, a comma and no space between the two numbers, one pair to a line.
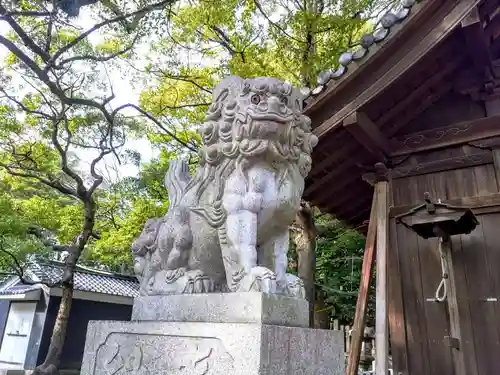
[305,241]
[321,312]
[51,364]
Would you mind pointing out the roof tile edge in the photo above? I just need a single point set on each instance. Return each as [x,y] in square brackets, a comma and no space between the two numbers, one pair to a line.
[366,44]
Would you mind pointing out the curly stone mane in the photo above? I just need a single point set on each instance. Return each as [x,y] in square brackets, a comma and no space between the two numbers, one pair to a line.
[243,127]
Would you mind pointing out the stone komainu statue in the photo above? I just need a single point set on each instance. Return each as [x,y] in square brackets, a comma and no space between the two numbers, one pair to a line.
[227,226]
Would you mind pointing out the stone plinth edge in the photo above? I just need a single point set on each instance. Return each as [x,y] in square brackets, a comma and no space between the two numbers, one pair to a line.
[248,307]
[161,348]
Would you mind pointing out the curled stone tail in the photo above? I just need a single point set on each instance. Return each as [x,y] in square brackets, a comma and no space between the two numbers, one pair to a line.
[176,180]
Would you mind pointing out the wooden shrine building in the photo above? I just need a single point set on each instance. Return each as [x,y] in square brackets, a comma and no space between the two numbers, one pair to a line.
[422,96]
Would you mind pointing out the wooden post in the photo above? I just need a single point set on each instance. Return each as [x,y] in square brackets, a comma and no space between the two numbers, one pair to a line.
[381,317]
[455,339]
[362,303]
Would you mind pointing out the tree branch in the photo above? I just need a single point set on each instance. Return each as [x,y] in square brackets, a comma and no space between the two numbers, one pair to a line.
[98,58]
[185,79]
[40,234]
[28,42]
[26,14]
[146,114]
[19,270]
[24,108]
[80,186]
[261,10]
[53,184]
[96,27]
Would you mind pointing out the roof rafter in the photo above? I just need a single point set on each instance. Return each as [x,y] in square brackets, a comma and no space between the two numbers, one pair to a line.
[366,132]
[478,45]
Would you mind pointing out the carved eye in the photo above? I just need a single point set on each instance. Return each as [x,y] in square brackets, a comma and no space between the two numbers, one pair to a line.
[284,100]
[255,99]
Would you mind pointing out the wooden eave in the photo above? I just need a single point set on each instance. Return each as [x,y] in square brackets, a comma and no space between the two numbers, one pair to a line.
[375,57]
[359,117]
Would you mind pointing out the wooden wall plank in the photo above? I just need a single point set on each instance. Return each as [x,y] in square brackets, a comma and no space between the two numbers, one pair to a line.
[396,306]
[491,224]
[475,260]
[436,313]
[436,319]
[486,179]
[485,338]
[467,343]
[453,183]
[445,185]
[412,296]
[466,182]
[496,163]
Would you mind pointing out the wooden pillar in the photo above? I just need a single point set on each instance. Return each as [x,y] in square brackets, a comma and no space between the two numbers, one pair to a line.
[362,303]
[455,339]
[381,313]
[377,228]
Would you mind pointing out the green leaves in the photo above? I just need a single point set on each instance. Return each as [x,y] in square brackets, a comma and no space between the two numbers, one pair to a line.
[339,257]
[16,246]
[113,249]
[55,122]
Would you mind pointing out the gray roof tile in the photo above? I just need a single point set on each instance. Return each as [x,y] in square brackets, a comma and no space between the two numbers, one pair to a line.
[19,289]
[86,279]
[388,21]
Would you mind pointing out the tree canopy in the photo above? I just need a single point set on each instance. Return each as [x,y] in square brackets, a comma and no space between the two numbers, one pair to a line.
[64,136]
[56,106]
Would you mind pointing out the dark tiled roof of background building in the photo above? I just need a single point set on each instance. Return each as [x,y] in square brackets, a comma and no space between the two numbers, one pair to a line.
[86,279]
[19,289]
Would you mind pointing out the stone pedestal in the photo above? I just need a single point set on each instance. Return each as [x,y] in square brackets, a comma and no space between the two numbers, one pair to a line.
[213,334]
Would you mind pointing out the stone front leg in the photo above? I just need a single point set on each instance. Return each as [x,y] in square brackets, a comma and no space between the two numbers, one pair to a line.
[242,207]
[280,248]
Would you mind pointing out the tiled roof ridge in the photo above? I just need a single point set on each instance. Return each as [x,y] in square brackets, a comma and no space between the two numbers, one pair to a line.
[84,269]
[86,279]
[380,34]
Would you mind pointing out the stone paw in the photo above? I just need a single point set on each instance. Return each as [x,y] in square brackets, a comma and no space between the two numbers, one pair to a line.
[197,282]
[180,281]
[295,286]
[282,286]
[260,279]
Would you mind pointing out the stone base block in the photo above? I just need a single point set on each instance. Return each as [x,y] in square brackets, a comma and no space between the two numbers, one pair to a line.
[249,307]
[181,348]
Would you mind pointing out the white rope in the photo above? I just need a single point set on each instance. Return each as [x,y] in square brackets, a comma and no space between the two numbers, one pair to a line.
[442,290]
